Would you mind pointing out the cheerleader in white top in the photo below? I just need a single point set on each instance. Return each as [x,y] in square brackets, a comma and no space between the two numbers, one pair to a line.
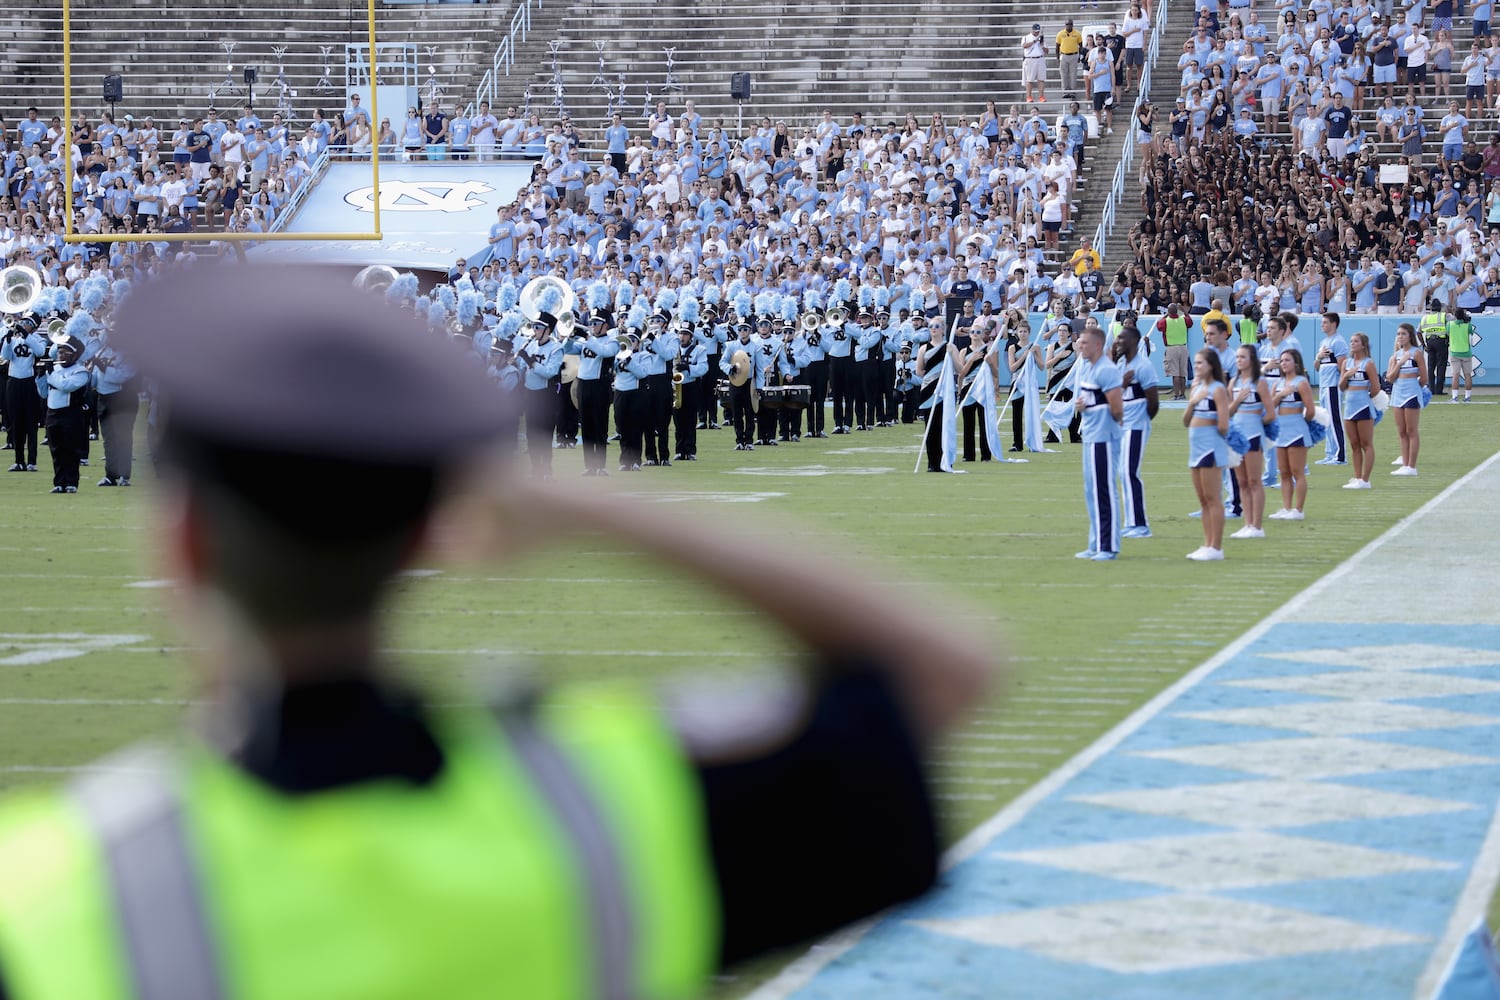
[1407,373]
[1295,403]
[1207,421]
[1252,414]
[1357,376]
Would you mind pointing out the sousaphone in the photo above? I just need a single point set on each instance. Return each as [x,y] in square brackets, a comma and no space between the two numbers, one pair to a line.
[563,314]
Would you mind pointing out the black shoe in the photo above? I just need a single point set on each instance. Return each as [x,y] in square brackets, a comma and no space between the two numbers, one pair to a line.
[56,489]
[83,461]
[650,462]
[7,446]
[107,481]
[739,447]
[839,430]
[769,443]
[820,434]
[93,437]
[664,464]
[796,437]
[1018,448]
[712,426]
[18,467]
[703,425]
[1075,439]
[70,489]
[590,472]
[690,458]
[678,457]
[635,467]
[122,481]
[1051,439]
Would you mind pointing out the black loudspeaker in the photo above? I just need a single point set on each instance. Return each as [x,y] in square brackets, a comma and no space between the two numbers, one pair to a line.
[250,74]
[739,86]
[114,89]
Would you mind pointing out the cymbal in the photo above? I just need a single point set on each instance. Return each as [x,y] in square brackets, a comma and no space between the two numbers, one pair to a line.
[739,368]
[569,368]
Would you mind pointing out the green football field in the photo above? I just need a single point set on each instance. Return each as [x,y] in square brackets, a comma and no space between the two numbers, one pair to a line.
[90,659]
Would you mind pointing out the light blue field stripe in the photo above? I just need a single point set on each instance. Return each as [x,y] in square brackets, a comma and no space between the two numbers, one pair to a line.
[1311,811]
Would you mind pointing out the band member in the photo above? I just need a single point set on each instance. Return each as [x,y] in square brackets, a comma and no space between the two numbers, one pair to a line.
[656,353]
[1098,396]
[868,351]
[688,370]
[1331,354]
[814,363]
[23,345]
[908,385]
[741,407]
[886,381]
[594,393]
[789,418]
[838,344]
[541,354]
[712,333]
[767,361]
[1061,355]
[1140,396]
[937,361]
[567,414]
[970,360]
[63,388]
[631,405]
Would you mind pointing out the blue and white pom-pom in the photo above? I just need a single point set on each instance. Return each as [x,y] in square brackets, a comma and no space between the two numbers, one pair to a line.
[743,306]
[712,296]
[812,300]
[508,326]
[403,290]
[917,303]
[420,305]
[80,325]
[842,291]
[765,303]
[446,296]
[506,298]
[464,284]
[119,290]
[469,303]
[596,297]
[437,316]
[93,291]
[665,301]
[1239,445]
[624,298]
[638,316]
[882,296]
[688,310]
[735,288]
[549,300]
[866,296]
[789,308]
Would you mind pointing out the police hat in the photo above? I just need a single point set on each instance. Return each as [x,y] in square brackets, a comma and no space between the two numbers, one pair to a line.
[308,372]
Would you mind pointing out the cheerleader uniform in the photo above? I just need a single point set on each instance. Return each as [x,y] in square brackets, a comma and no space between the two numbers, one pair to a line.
[1357,405]
[1207,448]
[1290,417]
[1249,419]
[1406,388]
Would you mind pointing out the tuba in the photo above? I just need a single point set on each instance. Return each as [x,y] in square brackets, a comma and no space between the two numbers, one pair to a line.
[566,316]
[376,278]
[20,287]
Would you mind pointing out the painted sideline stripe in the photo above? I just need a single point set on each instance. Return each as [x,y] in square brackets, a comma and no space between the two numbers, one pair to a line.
[1471,903]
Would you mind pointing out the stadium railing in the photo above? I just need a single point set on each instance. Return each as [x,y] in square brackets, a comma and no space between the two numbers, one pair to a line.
[1127,155]
[504,59]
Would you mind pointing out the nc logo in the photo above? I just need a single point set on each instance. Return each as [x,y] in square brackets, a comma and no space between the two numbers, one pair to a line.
[420,196]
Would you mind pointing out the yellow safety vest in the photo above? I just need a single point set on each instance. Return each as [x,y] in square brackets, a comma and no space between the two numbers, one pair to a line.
[1176,332]
[1434,325]
[559,854]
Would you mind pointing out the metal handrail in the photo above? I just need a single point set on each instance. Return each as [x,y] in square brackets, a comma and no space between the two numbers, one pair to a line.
[505,57]
[319,165]
[1127,156]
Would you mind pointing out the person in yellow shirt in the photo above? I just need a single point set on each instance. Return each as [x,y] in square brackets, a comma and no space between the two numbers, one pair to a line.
[1069,42]
[1085,252]
[1216,312]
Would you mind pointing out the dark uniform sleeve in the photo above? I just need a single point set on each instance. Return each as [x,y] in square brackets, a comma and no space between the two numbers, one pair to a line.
[829,827]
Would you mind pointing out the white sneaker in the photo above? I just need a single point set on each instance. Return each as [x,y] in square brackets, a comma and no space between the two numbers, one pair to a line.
[1352,484]
[1280,515]
[1198,552]
[1249,532]
[1455,397]
[1207,555]
[1405,470]
[1364,484]
[1294,515]
[1398,461]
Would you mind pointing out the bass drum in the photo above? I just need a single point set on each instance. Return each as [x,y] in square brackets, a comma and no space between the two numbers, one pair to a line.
[788,397]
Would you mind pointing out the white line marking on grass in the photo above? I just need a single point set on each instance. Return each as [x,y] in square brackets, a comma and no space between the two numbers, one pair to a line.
[1470,905]
[402,651]
[110,702]
[32,648]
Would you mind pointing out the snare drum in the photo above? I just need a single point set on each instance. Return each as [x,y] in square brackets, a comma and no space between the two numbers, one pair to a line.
[791,397]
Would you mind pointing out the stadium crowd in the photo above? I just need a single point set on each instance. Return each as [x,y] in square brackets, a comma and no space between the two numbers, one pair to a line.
[1292,172]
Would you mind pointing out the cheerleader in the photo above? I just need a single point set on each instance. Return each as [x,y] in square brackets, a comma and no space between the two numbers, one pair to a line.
[1207,421]
[1295,404]
[1250,410]
[1356,376]
[1407,373]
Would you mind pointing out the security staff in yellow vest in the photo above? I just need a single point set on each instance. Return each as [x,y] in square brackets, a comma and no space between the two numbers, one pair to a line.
[1173,328]
[1434,330]
[326,834]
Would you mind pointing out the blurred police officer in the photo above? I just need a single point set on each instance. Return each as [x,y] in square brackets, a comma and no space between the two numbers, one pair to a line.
[326,834]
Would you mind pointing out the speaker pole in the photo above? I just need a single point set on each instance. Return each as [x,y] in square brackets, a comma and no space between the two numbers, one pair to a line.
[740,126]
